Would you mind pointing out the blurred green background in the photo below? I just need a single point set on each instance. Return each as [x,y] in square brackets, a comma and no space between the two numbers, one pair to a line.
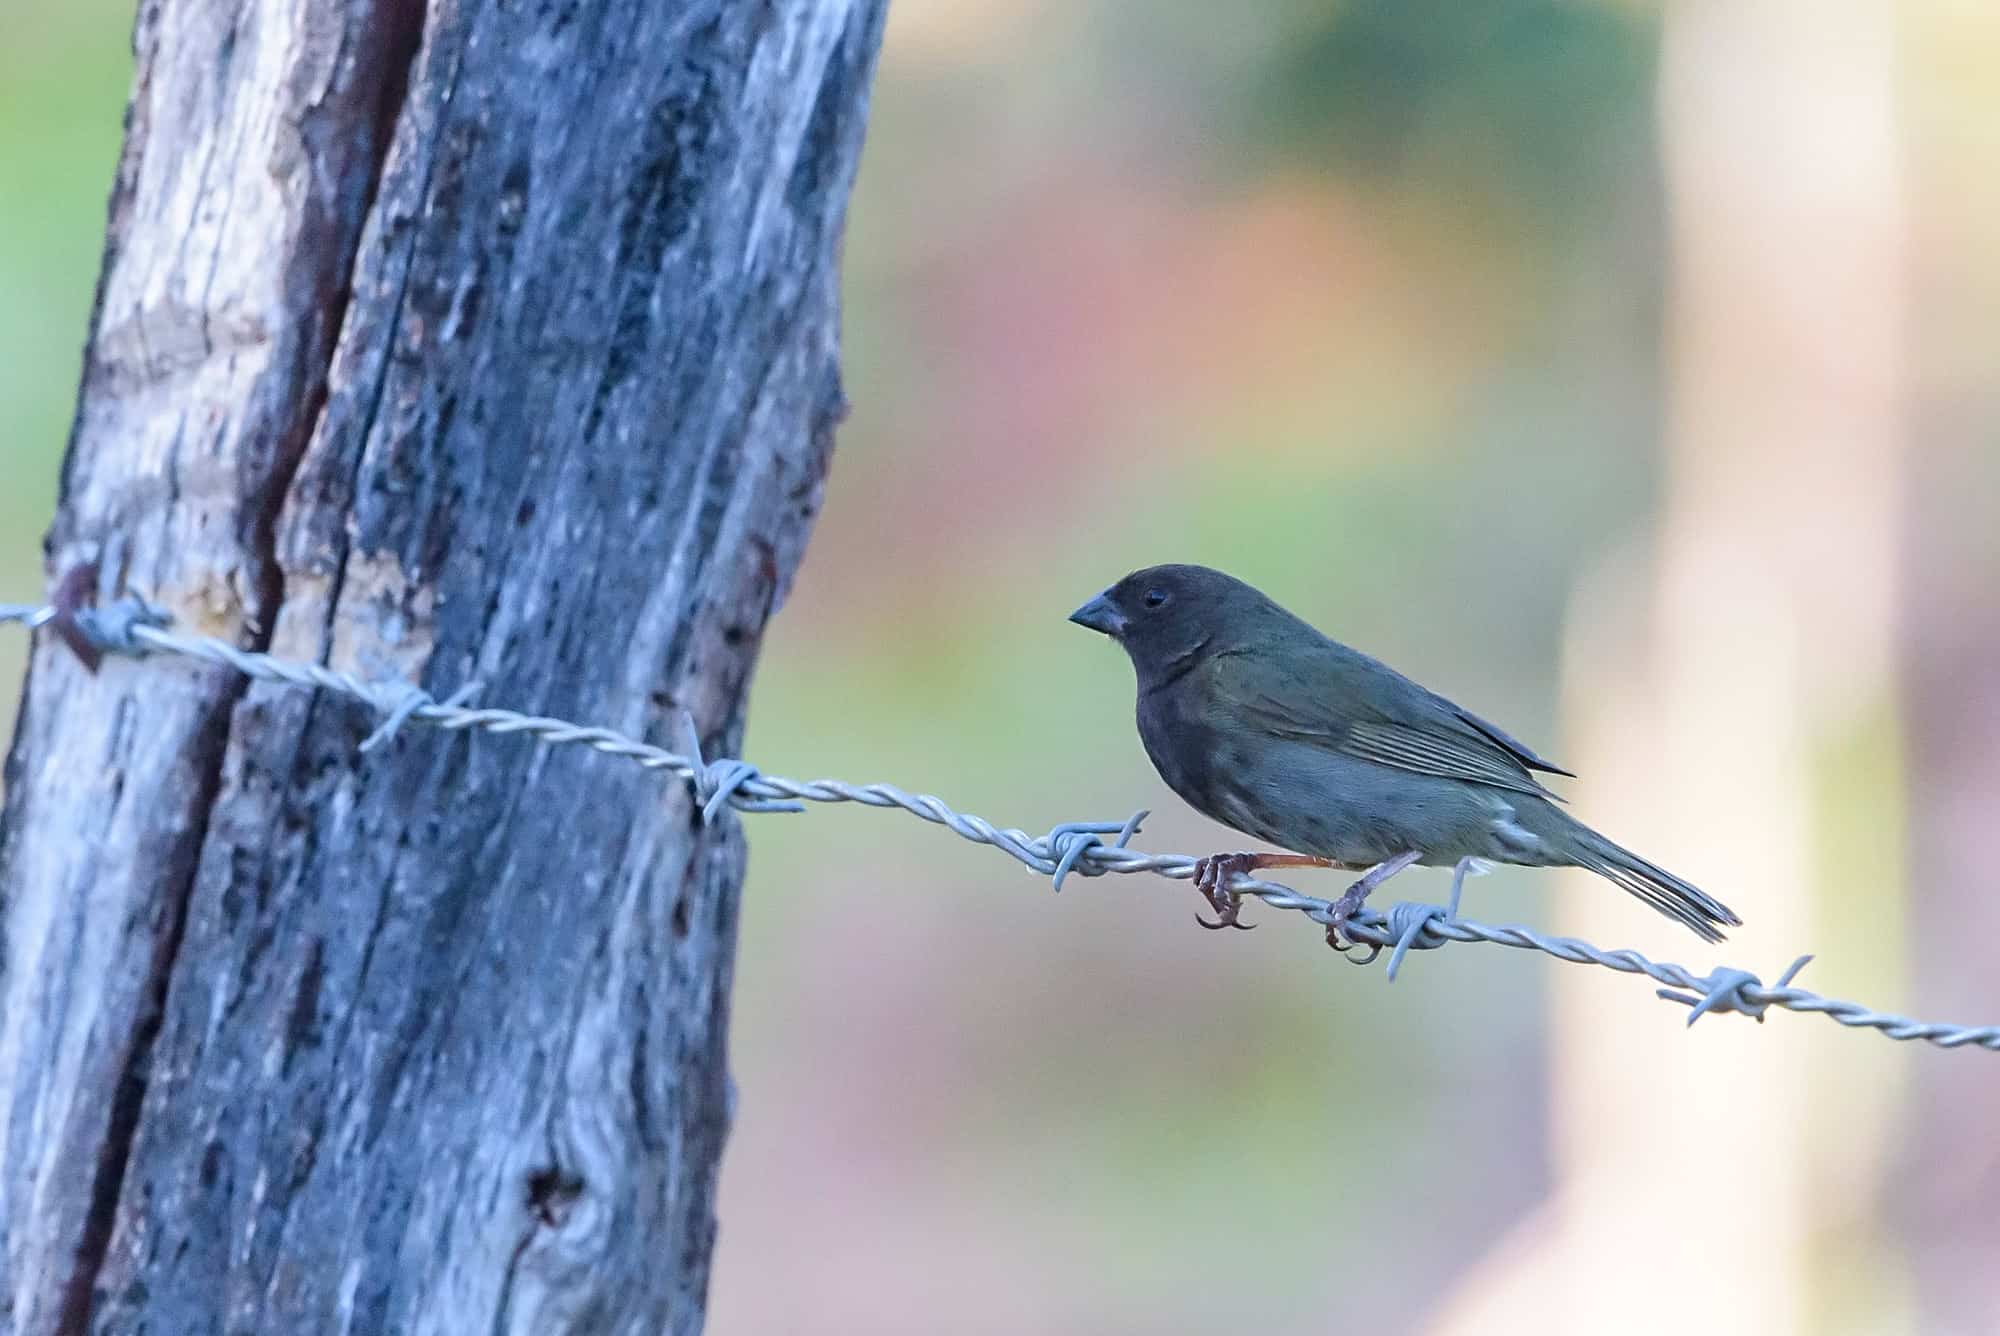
[1629,373]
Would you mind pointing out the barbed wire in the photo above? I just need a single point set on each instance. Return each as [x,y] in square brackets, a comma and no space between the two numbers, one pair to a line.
[132,628]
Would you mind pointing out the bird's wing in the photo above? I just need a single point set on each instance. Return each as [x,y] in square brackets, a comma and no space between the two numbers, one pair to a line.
[1429,752]
[1342,700]
[1519,750]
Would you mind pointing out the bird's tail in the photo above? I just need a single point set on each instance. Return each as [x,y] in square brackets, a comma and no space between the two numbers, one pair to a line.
[1677,899]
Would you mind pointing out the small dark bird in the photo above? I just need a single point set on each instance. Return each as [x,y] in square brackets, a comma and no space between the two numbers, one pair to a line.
[1269,727]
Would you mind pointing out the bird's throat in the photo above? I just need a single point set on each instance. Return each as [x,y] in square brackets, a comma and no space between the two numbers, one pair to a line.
[1181,664]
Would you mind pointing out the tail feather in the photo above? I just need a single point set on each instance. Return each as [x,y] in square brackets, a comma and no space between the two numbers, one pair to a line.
[1679,900]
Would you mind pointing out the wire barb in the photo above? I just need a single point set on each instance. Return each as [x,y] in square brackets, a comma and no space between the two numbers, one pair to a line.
[115,629]
[1410,922]
[1069,842]
[133,628]
[1728,989]
[718,783]
[400,702]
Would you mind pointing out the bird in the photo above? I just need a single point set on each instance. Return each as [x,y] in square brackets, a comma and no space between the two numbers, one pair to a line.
[1259,721]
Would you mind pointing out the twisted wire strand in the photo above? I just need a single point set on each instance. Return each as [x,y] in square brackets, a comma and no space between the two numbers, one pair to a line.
[1087,849]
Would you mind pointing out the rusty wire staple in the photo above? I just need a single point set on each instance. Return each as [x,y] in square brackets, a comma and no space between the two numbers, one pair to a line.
[133,628]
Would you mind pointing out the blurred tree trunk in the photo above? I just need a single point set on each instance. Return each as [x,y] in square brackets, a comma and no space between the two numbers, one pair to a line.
[1735,711]
[455,342]
[1948,1191]
[1945,1194]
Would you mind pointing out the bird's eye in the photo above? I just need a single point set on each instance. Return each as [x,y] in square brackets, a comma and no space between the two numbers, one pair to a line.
[1156,598]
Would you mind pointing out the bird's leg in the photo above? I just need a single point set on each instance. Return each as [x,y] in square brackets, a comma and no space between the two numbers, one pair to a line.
[1352,898]
[1213,874]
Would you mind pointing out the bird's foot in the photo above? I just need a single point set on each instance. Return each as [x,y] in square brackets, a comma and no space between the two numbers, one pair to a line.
[1212,876]
[1345,908]
[1350,901]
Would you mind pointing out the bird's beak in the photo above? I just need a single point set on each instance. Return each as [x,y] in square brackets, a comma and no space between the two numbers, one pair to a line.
[1100,615]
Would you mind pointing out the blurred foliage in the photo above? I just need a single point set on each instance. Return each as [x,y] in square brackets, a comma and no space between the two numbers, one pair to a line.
[1541,109]
[1536,100]
[63,72]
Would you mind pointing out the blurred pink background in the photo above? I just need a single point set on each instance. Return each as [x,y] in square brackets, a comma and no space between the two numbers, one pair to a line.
[1630,373]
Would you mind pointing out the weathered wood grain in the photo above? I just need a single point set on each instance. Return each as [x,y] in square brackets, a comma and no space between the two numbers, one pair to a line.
[489,341]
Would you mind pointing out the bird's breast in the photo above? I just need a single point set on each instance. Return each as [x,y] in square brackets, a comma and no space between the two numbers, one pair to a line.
[1211,769]
[1181,746]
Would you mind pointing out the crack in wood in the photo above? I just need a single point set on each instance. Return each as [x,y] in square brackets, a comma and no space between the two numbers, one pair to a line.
[135,1068]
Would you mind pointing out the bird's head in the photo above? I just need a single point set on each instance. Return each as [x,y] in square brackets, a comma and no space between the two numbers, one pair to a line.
[1165,615]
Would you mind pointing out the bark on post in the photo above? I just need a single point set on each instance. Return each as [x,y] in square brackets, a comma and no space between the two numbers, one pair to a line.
[469,341]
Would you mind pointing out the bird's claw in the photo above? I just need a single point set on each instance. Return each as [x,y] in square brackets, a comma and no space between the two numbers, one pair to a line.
[1345,908]
[1337,938]
[1212,876]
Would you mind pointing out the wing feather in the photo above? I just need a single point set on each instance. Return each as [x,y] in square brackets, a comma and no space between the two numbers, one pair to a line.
[1432,754]
[1344,701]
